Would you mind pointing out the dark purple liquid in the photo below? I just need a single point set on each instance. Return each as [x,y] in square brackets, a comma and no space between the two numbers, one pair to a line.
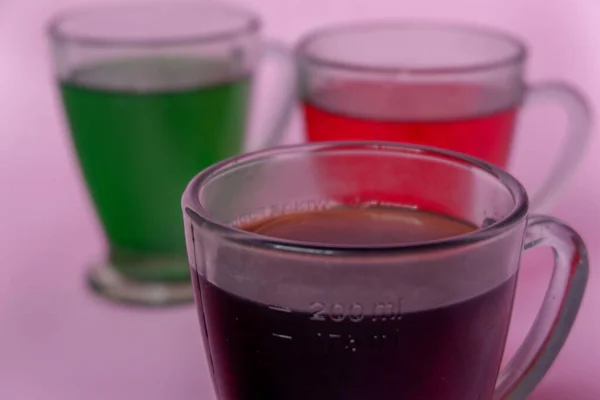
[257,352]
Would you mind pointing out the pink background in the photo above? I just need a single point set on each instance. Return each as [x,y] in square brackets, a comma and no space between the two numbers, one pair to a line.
[58,342]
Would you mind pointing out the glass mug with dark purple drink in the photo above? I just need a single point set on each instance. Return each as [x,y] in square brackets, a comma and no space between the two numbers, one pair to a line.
[450,86]
[302,295]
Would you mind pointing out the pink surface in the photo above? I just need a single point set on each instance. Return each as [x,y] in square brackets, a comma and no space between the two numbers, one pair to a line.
[58,342]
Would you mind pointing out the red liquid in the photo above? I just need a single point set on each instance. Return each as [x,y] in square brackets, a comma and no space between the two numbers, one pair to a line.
[470,119]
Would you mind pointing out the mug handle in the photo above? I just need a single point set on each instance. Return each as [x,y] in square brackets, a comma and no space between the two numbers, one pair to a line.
[274,128]
[578,133]
[558,312]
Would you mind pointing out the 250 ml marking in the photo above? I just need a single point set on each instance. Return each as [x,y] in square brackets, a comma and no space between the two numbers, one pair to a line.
[356,312]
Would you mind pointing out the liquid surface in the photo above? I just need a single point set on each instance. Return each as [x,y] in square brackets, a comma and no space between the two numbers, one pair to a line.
[459,117]
[142,129]
[349,350]
[364,226]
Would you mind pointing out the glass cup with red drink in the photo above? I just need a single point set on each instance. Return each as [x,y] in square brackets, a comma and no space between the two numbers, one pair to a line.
[450,86]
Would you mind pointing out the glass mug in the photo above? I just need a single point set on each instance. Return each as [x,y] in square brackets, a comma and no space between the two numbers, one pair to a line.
[450,86]
[154,93]
[294,320]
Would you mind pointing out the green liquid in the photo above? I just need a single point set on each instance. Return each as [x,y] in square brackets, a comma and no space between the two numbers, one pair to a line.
[142,129]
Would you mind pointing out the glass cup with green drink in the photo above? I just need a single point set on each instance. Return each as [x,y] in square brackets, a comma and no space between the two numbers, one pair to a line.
[154,93]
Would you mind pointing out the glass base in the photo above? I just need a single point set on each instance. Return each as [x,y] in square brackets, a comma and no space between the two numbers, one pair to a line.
[109,283]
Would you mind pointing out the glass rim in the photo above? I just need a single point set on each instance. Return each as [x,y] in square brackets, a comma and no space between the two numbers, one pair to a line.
[56,31]
[517,56]
[191,201]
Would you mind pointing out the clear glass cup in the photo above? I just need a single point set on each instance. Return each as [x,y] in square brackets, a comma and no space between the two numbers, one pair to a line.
[288,320]
[451,86]
[154,93]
